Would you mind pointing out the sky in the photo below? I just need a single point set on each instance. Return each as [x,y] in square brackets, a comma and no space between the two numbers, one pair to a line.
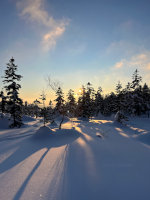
[75,42]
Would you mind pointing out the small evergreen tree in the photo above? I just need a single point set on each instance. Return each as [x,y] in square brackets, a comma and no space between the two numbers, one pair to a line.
[71,103]
[60,107]
[86,102]
[119,96]
[99,102]
[36,108]
[136,80]
[12,87]
[44,112]
[51,112]
[59,101]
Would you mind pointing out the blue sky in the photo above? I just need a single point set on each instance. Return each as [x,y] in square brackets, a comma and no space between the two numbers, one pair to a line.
[101,41]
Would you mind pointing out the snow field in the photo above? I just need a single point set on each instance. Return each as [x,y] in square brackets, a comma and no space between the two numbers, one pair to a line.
[73,163]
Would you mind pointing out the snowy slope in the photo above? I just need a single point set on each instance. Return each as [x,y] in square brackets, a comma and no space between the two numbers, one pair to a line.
[74,163]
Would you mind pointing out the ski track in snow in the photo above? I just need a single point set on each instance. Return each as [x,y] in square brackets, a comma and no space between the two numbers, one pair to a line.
[75,164]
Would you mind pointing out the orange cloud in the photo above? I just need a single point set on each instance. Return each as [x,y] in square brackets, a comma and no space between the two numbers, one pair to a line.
[49,39]
[119,65]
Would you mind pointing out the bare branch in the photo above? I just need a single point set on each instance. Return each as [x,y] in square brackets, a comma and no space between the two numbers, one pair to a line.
[53,84]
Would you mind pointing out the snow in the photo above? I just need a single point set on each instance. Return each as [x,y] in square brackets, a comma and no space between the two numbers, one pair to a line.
[96,159]
[43,132]
[26,118]
[4,123]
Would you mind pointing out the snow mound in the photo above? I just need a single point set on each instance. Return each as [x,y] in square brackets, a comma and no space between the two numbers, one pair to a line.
[43,132]
[59,118]
[83,119]
[120,117]
[145,138]
[4,123]
[99,135]
[26,118]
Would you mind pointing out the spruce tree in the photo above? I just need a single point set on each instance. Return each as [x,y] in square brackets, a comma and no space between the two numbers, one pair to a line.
[136,80]
[12,87]
[137,93]
[99,104]
[71,103]
[36,108]
[59,101]
[60,107]
[51,113]
[146,99]
[119,96]
[44,111]
[3,103]
[86,102]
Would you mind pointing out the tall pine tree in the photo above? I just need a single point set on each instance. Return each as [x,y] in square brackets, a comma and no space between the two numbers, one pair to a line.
[12,87]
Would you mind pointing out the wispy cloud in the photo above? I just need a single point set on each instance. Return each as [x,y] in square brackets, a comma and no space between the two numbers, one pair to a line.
[141,61]
[35,12]
[119,65]
[125,67]
[124,48]
[49,39]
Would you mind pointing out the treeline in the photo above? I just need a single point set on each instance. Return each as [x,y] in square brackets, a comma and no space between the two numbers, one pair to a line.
[134,99]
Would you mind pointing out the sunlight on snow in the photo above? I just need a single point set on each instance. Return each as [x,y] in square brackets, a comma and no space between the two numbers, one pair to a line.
[121,133]
[87,137]
[83,142]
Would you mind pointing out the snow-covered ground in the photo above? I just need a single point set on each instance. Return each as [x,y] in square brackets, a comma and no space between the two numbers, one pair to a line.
[99,159]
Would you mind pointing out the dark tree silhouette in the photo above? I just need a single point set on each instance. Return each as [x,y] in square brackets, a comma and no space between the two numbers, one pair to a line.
[12,87]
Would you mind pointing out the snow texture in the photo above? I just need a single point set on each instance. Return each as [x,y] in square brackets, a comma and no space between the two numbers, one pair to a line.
[73,163]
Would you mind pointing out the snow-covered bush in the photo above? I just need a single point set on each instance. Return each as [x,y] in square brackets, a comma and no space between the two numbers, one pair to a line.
[120,117]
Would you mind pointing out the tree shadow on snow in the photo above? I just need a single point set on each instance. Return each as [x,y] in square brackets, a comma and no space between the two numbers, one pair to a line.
[43,138]
[86,158]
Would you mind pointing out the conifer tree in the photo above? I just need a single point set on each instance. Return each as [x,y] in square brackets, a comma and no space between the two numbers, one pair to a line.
[44,112]
[99,104]
[51,112]
[136,80]
[60,107]
[3,103]
[71,103]
[146,99]
[59,101]
[86,102]
[12,87]
[109,104]
[128,99]
[119,96]
[136,93]
[36,108]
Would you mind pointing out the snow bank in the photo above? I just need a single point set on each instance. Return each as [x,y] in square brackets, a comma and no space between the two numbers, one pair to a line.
[73,164]
[145,138]
[59,118]
[4,122]
[26,118]
[43,132]
[83,119]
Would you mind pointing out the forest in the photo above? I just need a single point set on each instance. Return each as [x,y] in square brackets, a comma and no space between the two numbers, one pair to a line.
[133,100]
